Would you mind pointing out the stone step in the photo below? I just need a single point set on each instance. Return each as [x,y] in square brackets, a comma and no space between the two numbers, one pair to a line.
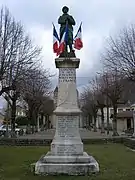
[49,158]
[65,168]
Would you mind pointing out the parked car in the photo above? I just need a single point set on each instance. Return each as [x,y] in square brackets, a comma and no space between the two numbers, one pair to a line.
[3,129]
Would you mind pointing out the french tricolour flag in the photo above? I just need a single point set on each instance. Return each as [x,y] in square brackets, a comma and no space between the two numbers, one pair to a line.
[55,40]
[78,44]
[63,41]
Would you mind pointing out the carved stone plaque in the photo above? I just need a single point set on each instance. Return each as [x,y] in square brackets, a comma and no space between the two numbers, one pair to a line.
[67,149]
[67,126]
[67,75]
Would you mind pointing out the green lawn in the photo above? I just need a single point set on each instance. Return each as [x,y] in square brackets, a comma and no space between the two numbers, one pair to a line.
[116,163]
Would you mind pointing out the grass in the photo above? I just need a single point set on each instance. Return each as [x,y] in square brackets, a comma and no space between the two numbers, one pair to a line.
[116,163]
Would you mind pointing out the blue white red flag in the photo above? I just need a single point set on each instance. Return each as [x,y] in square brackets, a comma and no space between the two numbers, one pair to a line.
[63,41]
[55,40]
[78,44]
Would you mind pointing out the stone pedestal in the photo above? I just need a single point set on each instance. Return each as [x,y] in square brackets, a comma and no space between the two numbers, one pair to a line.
[67,155]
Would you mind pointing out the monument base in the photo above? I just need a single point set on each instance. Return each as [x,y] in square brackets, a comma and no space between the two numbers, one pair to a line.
[68,165]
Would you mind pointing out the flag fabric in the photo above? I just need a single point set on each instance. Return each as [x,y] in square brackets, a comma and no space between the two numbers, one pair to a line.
[63,41]
[55,40]
[78,44]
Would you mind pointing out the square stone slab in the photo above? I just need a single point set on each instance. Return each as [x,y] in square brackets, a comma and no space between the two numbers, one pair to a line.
[68,165]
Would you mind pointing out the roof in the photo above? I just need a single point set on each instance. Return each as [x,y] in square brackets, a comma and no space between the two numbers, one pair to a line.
[125,114]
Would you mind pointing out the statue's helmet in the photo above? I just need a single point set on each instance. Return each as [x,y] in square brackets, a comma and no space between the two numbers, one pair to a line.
[65,9]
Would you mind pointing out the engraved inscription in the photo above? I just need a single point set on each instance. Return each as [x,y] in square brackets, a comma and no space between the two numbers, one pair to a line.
[67,75]
[66,149]
[67,126]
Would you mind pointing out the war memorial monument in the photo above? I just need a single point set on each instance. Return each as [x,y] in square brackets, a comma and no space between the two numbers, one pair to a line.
[67,154]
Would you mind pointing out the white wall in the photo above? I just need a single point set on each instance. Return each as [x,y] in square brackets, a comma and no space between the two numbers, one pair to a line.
[121,124]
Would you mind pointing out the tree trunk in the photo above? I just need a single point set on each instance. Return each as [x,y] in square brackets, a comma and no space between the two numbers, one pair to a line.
[89,116]
[7,117]
[34,121]
[29,116]
[102,120]
[42,119]
[115,133]
[38,124]
[13,116]
[95,120]
[30,122]
[41,122]
[107,106]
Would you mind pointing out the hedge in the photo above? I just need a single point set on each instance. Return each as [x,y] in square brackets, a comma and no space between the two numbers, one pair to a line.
[46,142]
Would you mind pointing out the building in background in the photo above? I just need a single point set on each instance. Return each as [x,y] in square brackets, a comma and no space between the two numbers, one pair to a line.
[20,110]
[124,117]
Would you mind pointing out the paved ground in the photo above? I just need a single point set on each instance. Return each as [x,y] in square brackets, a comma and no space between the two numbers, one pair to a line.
[49,134]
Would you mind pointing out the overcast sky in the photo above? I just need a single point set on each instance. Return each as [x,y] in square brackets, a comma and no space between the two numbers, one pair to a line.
[100,18]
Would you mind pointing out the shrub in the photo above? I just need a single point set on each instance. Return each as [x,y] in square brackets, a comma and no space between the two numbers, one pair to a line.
[22,121]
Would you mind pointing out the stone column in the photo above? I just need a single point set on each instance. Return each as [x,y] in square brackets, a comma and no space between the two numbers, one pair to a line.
[44,120]
[134,123]
[38,124]
[54,121]
[67,139]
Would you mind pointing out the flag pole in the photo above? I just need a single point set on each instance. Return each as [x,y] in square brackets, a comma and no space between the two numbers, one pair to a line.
[66,54]
[77,30]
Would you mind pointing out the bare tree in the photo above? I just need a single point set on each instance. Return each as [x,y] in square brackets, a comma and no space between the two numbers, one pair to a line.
[16,51]
[107,113]
[17,56]
[88,98]
[36,88]
[99,98]
[120,52]
[46,109]
[112,84]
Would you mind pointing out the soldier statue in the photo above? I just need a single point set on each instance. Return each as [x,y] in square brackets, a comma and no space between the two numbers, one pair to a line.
[67,20]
